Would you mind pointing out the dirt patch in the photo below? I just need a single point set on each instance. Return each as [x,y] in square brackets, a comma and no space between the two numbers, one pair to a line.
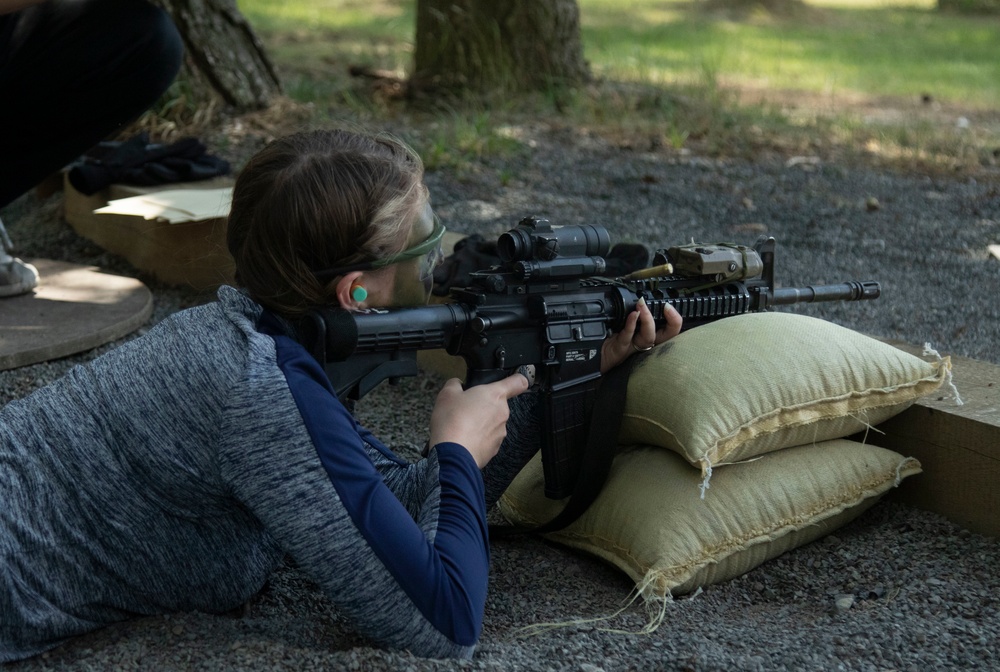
[924,108]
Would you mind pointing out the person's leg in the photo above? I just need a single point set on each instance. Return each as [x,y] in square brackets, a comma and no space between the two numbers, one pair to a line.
[71,73]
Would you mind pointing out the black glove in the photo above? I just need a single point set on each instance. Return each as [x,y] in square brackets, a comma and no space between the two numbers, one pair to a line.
[472,253]
[625,258]
[136,161]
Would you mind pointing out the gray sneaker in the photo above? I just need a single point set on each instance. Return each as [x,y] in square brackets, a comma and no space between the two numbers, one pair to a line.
[16,276]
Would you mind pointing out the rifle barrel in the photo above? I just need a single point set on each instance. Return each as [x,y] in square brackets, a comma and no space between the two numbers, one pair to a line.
[848,291]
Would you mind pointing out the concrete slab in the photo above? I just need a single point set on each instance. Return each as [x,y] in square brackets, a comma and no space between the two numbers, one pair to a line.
[74,308]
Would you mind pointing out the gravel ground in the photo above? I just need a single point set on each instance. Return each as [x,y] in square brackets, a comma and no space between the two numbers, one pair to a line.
[924,591]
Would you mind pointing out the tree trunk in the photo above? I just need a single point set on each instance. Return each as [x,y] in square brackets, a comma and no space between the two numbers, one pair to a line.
[224,59]
[501,45]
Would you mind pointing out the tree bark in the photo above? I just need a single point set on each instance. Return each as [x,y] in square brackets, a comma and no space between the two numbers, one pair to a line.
[501,45]
[224,58]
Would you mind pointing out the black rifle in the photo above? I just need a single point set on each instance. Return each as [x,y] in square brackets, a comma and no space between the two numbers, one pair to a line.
[548,305]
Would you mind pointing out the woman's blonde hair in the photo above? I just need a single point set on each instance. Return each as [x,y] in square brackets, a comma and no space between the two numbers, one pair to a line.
[317,200]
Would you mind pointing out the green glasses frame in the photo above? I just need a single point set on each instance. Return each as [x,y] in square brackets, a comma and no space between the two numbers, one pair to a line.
[433,242]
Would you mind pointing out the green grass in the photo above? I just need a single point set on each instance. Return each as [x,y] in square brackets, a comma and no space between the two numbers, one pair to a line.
[304,33]
[868,48]
[677,73]
[379,19]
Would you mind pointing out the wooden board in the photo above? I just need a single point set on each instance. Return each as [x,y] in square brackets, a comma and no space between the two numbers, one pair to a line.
[958,446]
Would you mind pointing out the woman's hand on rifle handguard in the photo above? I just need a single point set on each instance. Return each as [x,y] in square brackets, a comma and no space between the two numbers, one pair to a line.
[639,334]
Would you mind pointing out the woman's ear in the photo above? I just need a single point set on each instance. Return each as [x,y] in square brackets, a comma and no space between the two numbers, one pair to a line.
[351,293]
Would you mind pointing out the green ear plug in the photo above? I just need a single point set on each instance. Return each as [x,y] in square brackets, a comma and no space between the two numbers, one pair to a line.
[358,293]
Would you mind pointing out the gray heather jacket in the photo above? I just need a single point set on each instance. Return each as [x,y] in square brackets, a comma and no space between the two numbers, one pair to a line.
[174,472]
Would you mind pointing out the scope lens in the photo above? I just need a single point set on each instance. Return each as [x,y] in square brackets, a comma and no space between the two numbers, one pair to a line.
[514,245]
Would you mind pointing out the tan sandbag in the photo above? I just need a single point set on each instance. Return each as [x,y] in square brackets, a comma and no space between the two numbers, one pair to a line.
[650,521]
[748,385]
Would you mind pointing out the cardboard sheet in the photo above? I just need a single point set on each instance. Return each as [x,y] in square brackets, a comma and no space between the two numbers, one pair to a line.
[174,206]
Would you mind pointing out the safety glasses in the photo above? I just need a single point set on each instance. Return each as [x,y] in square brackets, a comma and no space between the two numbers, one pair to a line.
[430,250]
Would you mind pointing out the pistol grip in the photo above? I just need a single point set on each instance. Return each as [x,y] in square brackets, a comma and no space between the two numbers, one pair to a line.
[475,377]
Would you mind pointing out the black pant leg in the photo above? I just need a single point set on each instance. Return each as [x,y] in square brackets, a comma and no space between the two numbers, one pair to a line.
[71,73]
